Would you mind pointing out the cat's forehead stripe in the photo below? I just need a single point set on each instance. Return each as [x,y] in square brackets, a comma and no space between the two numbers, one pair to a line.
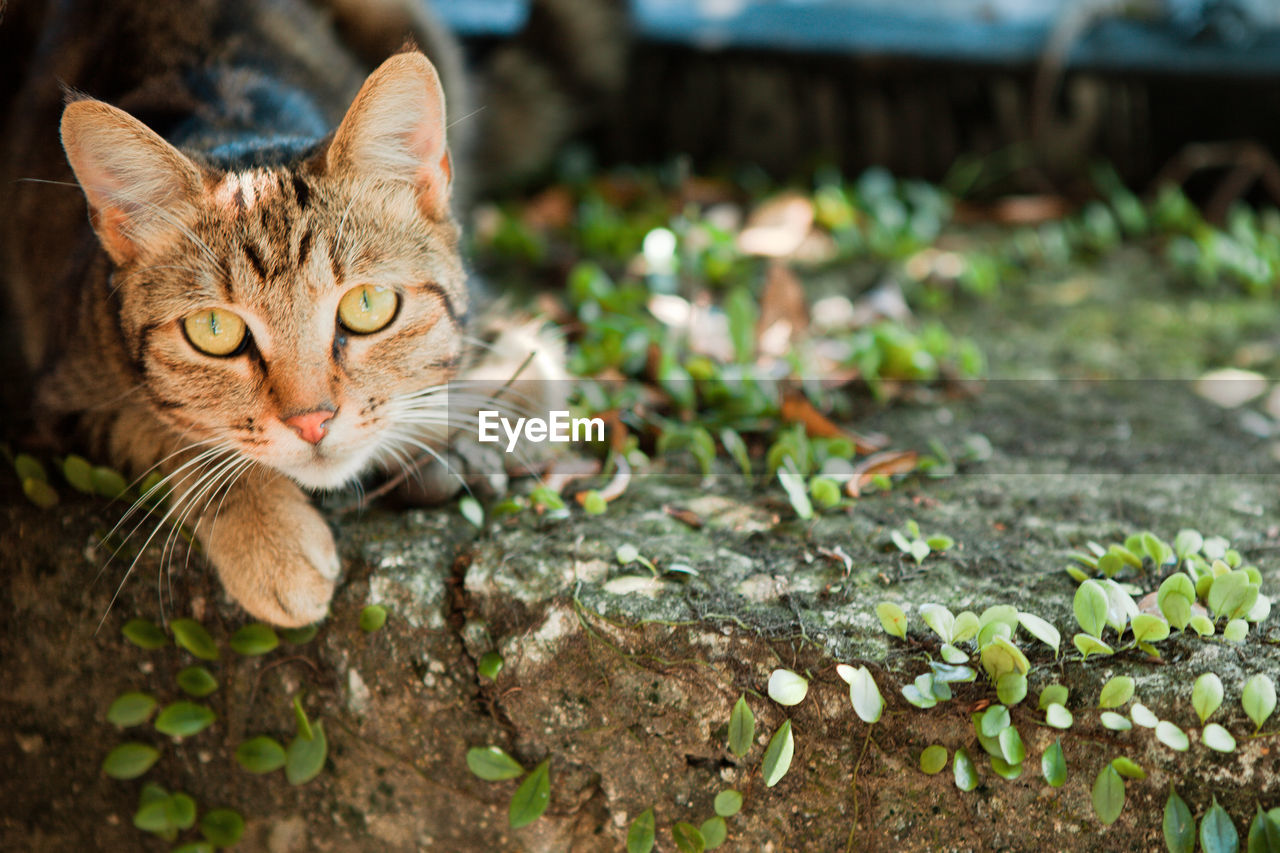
[239,192]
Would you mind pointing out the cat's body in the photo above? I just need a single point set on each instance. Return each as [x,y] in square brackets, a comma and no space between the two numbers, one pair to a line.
[268,307]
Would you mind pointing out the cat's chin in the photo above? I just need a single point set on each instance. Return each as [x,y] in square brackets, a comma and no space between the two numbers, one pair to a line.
[323,474]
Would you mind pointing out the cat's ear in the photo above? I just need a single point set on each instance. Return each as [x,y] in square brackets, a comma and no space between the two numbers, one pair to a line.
[395,129]
[141,190]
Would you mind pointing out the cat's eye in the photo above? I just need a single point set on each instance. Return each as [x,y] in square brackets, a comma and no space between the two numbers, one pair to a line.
[368,308]
[215,332]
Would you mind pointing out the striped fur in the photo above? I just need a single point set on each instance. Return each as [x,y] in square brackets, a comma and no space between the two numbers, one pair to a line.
[278,242]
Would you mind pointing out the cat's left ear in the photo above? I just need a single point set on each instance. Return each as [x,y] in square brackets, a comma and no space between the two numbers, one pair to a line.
[395,129]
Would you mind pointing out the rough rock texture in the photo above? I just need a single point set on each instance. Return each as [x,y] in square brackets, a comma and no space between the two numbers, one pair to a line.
[625,680]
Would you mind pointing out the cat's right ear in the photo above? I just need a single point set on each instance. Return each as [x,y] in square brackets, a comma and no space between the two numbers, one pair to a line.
[141,190]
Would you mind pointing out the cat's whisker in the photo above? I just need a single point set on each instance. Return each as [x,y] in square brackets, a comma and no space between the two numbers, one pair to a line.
[197,503]
[220,447]
[245,464]
[159,526]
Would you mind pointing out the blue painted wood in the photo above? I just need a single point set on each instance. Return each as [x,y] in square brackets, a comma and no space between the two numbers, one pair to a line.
[483,17]
[1237,37]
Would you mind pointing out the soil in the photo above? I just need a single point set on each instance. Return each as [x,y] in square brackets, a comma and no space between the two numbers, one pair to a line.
[625,680]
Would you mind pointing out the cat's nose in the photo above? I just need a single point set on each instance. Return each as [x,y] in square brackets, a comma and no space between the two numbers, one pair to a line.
[312,426]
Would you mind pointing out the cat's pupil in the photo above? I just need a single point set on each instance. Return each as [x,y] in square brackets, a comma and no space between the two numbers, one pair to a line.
[364,300]
[214,328]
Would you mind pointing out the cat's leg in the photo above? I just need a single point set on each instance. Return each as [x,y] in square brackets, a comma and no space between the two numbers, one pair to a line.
[272,549]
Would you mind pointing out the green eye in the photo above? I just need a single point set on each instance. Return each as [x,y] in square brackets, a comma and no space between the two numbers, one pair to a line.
[367,308]
[215,332]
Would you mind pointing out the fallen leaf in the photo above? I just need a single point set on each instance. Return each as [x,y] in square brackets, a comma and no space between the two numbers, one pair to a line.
[686,516]
[887,463]
[782,300]
[777,227]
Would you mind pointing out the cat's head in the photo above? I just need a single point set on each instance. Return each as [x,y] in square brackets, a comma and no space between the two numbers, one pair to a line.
[287,312]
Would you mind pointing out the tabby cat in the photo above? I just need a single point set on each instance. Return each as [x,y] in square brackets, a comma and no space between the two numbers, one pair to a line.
[269,306]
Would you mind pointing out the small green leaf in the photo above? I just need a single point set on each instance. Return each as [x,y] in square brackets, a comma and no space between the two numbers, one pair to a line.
[793,484]
[40,493]
[1058,716]
[372,618]
[1206,695]
[79,473]
[777,755]
[1128,768]
[193,637]
[183,719]
[1108,795]
[1202,625]
[108,483]
[1054,693]
[1237,631]
[1178,825]
[1217,832]
[742,727]
[305,757]
[933,759]
[1004,769]
[1115,722]
[298,636]
[714,832]
[489,665]
[300,717]
[144,634]
[1090,607]
[966,627]
[966,774]
[892,619]
[825,493]
[1172,736]
[1011,688]
[1116,692]
[641,833]
[593,503]
[1149,628]
[868,704]
[1041,630]
[1259,699]
[688,838]
[939,619]
[472,511]
[129,760]
[29,468]
[1089,645]
[532,797]
[940,543]
[1143,716]
[1053,765]
[1011,746]
[1175,598]
[254,639]
[492,764]
[131,709]
[995,720]
[1264,832]
[728,803]
[222,827]
[260,755]
[196,681]
[786,687]
[1217,738]
[1187,542]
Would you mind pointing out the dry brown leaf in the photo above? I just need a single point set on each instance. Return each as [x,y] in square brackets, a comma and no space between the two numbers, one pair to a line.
[1015,210]
[685,516]
[564,471]
[783,300]
[888,463]
[797,409]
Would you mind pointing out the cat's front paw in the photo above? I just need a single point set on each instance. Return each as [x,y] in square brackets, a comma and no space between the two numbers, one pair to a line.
[276,557]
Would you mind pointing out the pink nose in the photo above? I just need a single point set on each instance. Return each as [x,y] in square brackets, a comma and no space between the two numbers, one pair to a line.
[312,426]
